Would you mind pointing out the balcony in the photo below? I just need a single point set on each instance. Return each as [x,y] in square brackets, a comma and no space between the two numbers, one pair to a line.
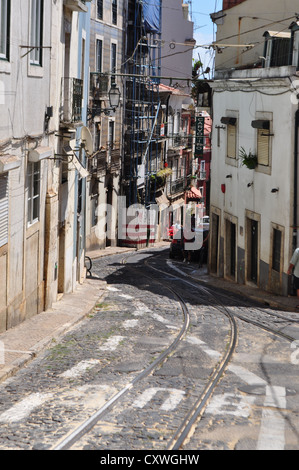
[76,5]
[177,186]
[180,140]
[107,159]
[71,100]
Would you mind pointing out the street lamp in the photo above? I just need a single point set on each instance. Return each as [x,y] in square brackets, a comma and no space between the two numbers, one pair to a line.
[114,97]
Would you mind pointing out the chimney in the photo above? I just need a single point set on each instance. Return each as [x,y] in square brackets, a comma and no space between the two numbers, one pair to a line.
[185,8]
[231,3]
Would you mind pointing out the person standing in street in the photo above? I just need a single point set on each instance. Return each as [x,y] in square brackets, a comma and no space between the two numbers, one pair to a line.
[294,265]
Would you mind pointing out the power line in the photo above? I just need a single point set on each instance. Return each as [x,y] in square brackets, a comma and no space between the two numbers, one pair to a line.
[259,27]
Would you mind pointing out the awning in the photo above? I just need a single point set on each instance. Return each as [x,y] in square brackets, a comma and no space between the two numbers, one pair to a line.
[9,162]
[40,153]
[79,167]
[278,34]
[194,193]
[162,200]
[178,202]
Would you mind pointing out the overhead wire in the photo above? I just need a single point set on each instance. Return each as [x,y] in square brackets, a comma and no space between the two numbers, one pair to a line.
[208,45]
[256,45]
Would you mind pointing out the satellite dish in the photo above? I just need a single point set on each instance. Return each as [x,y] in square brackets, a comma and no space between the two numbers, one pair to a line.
[86,139]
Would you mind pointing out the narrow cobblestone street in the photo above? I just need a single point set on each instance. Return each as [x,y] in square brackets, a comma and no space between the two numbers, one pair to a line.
[106,354]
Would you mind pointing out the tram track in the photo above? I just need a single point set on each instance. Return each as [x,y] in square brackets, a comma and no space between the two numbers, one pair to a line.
[198,407]
[219,299]
[129,387]
[185,429]
[86,426]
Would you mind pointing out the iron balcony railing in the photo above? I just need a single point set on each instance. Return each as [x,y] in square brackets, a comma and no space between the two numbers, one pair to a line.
[71,100]
[106,159]
[180,140]
[178,185]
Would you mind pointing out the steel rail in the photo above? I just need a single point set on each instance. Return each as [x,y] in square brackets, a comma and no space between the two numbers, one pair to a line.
[68,441]
[243,318]
[199,406]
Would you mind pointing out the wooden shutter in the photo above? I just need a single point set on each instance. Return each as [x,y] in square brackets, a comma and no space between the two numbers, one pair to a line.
[231,141]
[263,140]
[3,210]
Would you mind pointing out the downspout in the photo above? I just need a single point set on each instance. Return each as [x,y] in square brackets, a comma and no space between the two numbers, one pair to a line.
[296,146]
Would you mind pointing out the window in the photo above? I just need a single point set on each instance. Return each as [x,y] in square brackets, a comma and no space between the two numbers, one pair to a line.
[94,210]
[36,32]
[98,136]
[277,49]
[231,124]
[114,12]
[276,255]
[202,173]
[263,147]
[94,197]
[99,9]
[4,29]
[3,209]
[263,141]
[231,141]
[111,135]
[64,172]
[113,62]
[99,55]
[33,192]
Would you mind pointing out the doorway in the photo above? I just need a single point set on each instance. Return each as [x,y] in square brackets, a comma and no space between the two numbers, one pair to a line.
[109,214]
[252,250]
[230,248]
[215,243]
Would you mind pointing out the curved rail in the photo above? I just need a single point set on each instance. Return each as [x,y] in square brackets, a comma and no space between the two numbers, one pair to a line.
[199,406]
[241,317]
[68,441]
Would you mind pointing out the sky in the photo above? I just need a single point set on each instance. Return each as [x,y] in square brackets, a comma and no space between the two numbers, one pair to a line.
[204,28]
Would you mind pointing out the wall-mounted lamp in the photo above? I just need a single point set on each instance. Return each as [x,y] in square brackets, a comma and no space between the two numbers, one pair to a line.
[274,190]
[229,176]
[114,97]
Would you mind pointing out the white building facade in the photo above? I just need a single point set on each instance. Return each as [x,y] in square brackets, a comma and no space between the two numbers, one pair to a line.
[252,210]
[254,168]
[34,265]
[25,147]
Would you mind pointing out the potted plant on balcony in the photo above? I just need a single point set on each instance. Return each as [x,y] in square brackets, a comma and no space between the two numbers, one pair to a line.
[248,159]
[161,176]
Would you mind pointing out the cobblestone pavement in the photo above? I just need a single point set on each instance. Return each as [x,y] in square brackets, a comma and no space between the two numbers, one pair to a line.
[256,401]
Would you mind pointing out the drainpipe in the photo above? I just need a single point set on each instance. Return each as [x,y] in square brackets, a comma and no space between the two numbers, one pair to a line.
[296,148]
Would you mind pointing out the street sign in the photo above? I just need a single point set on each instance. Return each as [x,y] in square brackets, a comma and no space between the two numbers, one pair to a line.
[199,137]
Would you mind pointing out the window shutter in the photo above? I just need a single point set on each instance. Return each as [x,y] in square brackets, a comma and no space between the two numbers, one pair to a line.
[263,147]
[3,210]
[231,141]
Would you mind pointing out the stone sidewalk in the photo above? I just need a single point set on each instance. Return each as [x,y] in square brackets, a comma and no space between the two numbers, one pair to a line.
[21,344]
